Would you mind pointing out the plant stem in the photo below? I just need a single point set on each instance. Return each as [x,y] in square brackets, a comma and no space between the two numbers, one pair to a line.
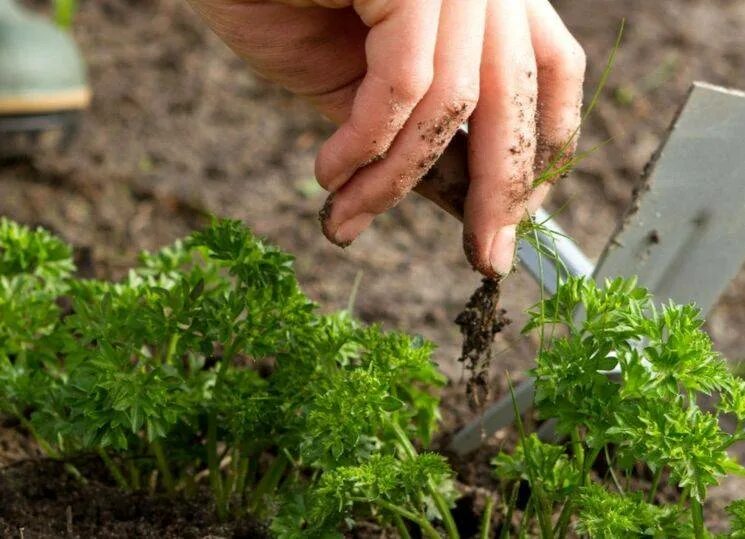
[134,474]
[163,468]
[43,444]
[114,470]
[485,532]
[213,464]
[504,533]
[655,484]
[172,344]
[616,482]
[241,472]
[563,523]
[683,498]
[697,516]
[269,481]
[403,532]
[586,462]
[424,524]
[442,505]
[527,514]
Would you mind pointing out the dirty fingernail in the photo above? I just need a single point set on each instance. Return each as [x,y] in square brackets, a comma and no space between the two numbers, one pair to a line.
[351,228]
[502,253]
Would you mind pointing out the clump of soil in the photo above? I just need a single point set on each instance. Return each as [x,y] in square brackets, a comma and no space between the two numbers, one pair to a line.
[39,499]
[479,322]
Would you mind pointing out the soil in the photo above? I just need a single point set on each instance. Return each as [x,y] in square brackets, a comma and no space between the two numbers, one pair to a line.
[179,129]
[39,499]
[480,322]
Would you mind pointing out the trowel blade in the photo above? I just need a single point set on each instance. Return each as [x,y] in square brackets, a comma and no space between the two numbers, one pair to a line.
[684,235]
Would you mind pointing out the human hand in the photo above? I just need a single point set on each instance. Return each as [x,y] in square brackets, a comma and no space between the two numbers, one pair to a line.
[399,77]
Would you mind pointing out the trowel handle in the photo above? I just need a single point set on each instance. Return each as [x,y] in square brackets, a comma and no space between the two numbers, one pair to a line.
[446,184]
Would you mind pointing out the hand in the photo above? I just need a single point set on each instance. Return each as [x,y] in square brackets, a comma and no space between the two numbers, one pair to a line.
[399,77]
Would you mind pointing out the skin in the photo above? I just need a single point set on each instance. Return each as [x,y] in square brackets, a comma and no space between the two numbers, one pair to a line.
[399,76]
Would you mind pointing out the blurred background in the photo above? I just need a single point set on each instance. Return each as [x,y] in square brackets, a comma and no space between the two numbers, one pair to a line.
[179,129]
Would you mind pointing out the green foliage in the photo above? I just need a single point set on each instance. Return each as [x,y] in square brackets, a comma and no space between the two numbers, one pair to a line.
[607,515]
[209,361]
[661,411]
[736,511]
[64,12]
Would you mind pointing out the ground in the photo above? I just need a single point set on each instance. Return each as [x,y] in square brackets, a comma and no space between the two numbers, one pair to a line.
[179,129]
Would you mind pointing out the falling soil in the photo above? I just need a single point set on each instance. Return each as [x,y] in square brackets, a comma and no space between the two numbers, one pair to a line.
[479,322]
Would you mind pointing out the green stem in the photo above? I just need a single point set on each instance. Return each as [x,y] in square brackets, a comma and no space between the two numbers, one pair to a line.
[562,524]
[655,484]
[442,505]
[240,482]
[134,474]
[45,446]
[697,516]
[527,515]
[113,470]
[613,476]
[172,344]
[213,463]
[422,522]
[510,511]
[577,449]
[213,459]
[163,468]
[485,532]
[403,532]
[269,481]
[586,462]
[683,498]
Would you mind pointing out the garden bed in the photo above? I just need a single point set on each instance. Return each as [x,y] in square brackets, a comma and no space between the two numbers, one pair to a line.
[178,129]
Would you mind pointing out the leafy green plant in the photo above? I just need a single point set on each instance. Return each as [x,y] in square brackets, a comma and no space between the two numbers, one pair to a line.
[659,414]
[208,364]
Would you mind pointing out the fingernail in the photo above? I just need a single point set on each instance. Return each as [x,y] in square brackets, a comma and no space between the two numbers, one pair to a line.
[351,228]
[338,181]
[502,255]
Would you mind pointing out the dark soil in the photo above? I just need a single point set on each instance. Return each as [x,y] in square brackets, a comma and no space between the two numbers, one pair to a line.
[479,323]
[179,129]
[39,499]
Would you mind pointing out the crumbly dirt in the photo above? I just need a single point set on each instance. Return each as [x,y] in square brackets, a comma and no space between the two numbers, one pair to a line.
[40,500]
[479,323]
[179,129]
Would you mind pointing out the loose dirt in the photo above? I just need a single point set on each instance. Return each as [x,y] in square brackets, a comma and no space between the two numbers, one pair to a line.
[479,323]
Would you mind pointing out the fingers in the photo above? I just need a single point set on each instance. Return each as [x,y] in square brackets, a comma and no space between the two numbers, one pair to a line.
[449,102]
[400,50]
[561,72]
[502,139]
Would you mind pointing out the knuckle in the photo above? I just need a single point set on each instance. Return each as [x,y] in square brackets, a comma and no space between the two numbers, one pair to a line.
[568,57]
[412,85]
[462,98]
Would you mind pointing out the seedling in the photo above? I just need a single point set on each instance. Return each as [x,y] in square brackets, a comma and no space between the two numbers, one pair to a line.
[656,416]
[207,363]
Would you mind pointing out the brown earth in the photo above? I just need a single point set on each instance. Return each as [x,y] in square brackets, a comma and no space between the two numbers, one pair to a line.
[179,129]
